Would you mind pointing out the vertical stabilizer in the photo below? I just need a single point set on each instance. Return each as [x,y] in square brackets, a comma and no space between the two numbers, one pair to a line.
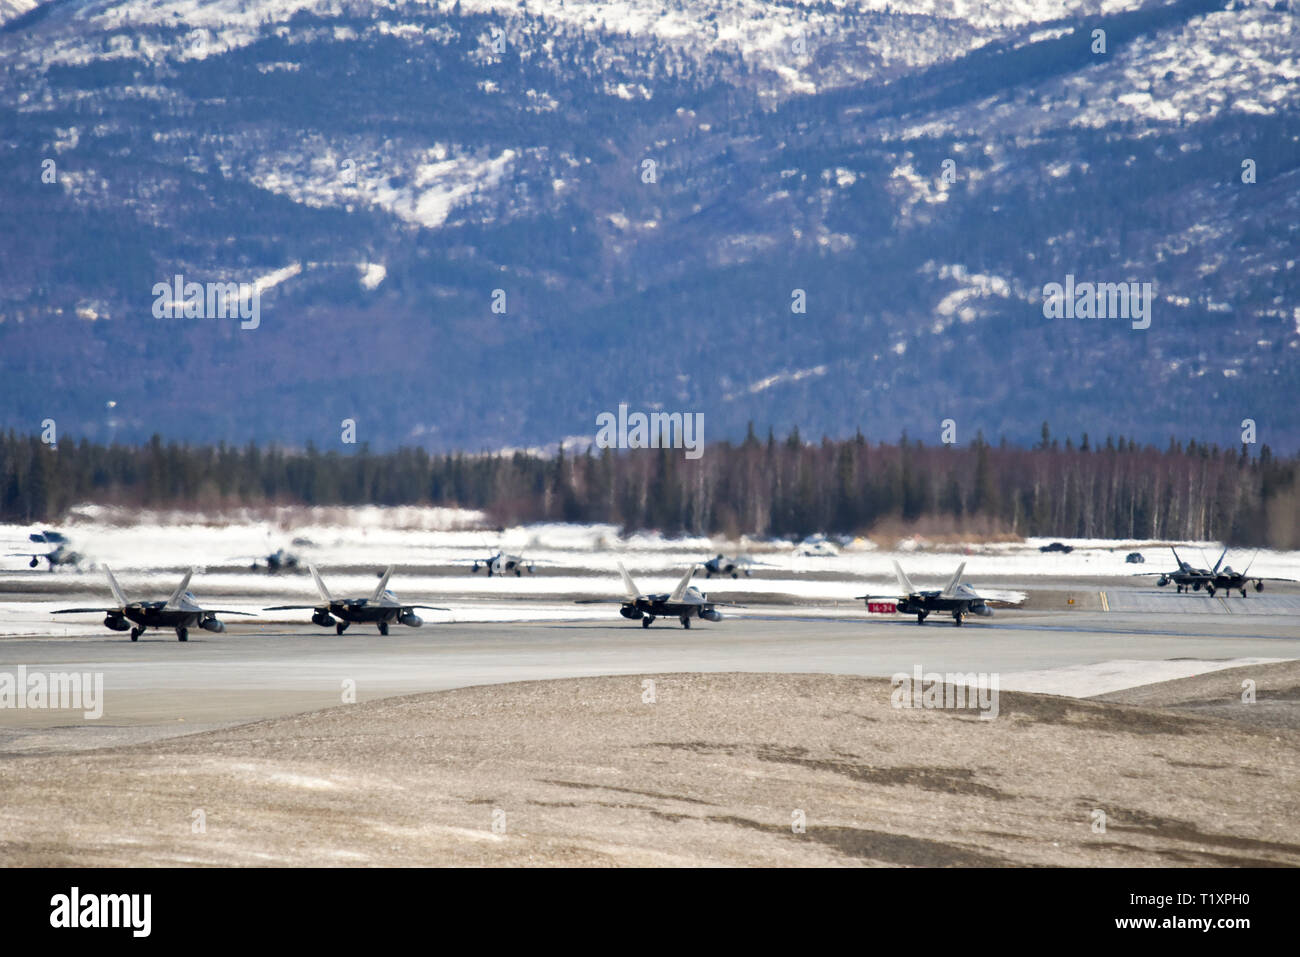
[904,582]
[175,599]
[382,586]
[953,582]
[320,585]
[680,591]
[629,586]
[118,595]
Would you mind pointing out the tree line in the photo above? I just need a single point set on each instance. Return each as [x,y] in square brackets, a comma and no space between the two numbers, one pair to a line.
[760,486]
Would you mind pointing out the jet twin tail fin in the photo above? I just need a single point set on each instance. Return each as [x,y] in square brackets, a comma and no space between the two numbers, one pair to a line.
[629,586]
[175,599]
[904,582]
[680,591]
[118,595]
[320,585]
[383,584]
[951,587]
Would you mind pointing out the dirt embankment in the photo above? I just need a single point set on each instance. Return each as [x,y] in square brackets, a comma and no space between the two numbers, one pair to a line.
[693,769]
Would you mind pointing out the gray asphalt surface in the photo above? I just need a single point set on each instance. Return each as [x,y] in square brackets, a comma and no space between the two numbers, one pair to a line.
[159,687]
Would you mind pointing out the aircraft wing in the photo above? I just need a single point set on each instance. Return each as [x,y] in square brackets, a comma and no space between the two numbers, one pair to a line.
[427,607]
[876,598]
[1258,578]
[227,611]
[291,608]
[86,611]
[602,601]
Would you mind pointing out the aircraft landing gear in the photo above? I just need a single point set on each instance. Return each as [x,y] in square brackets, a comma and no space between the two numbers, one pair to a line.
[33,563]
[1243,593]
[383,627]
[920,617]
[686,621]
[1180,589]
[182,634]
[135,633]
[956,619]
[341,627]
[646,621]
[1209,590]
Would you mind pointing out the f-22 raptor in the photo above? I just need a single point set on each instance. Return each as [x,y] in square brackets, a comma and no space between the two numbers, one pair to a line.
[955,597]
[382,608]
[722,565]
[181,611]
[1188,578]
[60,554]
[685,602]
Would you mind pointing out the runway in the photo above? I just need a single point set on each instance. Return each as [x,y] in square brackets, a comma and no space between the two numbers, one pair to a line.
[159,687]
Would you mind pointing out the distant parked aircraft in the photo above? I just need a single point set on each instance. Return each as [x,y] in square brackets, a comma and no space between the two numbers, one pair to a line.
[502,563]
[278,561]
[722,565]
[60,554]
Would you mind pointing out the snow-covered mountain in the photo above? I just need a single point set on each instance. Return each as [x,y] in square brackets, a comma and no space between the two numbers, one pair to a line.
[649,191]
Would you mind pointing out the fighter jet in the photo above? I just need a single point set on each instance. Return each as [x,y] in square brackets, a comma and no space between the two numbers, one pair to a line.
[60,554]
[1187,578]
[278,561]
[501,563]
[382,608]
[722,565]
[955,597]
[181,611]
[685,602]
[1230,580]
[817,546]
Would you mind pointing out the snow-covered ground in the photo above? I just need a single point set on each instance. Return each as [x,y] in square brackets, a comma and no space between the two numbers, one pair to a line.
[152,548]
[433,550]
